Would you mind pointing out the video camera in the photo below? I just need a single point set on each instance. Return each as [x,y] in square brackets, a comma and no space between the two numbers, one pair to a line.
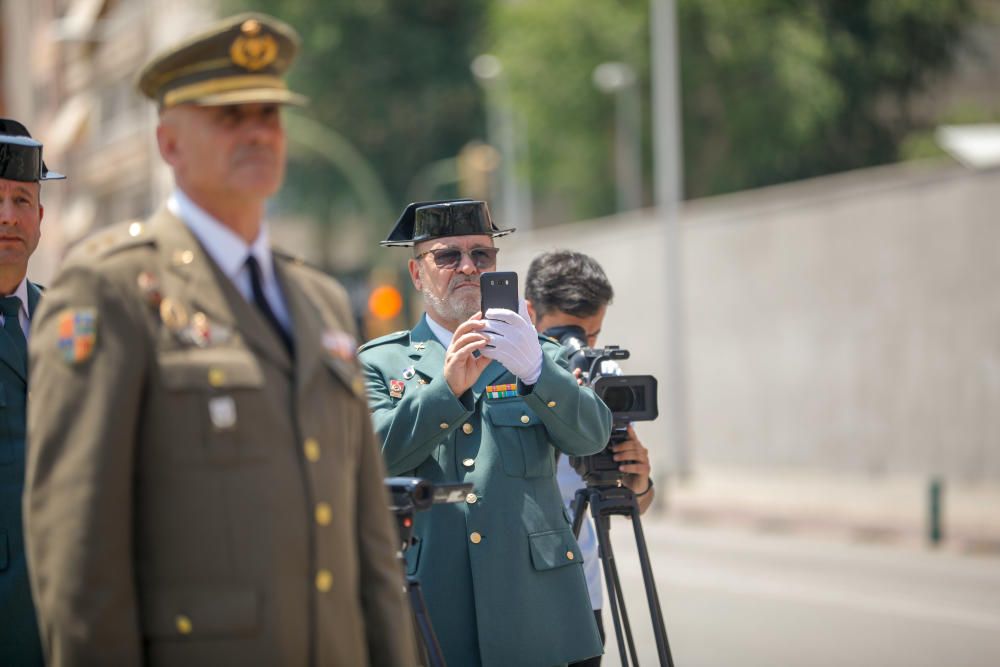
[631,398]
[415,494]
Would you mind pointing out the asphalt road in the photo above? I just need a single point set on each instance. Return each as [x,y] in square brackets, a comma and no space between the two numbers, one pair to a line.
[735,598]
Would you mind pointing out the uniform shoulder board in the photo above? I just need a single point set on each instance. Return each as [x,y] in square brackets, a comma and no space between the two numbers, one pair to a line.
[548,339]
[297,260]
[113,239]
[394,337]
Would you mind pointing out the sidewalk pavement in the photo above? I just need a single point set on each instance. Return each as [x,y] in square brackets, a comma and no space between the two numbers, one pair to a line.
[889,509]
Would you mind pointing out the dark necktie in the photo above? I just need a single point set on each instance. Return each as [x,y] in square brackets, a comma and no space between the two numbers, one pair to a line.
[10,306]
[259,300]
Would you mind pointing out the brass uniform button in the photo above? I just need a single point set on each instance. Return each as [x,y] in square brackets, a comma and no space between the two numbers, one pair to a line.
[570,555]
[475,538]
[525,419]
[471,498]
[324,581]
[551,404]
[183,257]
[183,624]
[468,463]
[216,377]
[467,428]
[444,425]
[324,514]
[311,449]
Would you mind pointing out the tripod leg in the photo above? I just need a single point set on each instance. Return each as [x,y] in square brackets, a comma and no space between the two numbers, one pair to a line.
[653,599]
[624,611]
[604,549]
[580,502]
[432,650]
[618,608]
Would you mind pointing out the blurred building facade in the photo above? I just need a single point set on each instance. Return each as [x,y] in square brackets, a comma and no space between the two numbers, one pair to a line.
[68,70]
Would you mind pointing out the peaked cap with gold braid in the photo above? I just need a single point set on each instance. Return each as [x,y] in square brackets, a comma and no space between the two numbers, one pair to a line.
[239,60]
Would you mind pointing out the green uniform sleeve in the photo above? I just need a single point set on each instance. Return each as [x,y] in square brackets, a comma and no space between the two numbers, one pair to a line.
[412,426]
[578,422]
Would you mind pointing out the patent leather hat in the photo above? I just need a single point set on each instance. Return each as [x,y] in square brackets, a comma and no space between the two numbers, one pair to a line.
[426,220]
[21,156]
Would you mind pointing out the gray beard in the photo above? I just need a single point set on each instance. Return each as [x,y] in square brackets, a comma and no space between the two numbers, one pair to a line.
[458,308]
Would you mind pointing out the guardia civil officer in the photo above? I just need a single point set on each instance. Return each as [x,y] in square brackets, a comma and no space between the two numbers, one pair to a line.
[21,211]
[501,573]
[203,486]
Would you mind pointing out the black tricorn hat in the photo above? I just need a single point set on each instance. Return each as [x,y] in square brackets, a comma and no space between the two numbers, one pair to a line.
[426,220]
[21,156]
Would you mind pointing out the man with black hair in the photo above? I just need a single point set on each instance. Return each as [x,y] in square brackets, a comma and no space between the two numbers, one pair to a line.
[567,288]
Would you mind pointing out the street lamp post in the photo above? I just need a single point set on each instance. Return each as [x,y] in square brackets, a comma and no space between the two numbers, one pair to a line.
[619,79]
[667,196]
[515,192]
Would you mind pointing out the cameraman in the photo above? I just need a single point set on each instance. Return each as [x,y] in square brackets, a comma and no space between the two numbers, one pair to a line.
[567,288]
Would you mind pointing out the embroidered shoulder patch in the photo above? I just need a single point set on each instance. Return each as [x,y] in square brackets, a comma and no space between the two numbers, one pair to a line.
[77,334]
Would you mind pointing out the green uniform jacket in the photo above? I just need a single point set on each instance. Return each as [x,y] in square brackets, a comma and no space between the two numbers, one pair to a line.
[19,644]
[193,495]
[501,573]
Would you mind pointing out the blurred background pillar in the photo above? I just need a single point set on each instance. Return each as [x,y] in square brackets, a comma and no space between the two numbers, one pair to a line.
[619,79]
[514,199]
[668,188]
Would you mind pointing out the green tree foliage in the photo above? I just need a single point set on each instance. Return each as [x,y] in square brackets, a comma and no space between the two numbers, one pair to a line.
[392,78]
[549,49]
[777,90]
[772,90]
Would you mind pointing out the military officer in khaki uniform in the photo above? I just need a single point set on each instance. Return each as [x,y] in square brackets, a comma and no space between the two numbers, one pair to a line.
[203,483]
[463,399]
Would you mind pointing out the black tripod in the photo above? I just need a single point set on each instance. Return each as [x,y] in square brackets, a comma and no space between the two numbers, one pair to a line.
[429,644]
[407,496]
[604,502]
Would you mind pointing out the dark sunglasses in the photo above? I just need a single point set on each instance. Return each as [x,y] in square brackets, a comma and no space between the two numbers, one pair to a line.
[450,258]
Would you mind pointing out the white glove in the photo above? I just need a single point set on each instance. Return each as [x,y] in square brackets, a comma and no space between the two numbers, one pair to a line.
[513,342]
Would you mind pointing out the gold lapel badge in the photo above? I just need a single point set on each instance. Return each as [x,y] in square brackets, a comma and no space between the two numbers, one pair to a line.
[173,314]
[149,285]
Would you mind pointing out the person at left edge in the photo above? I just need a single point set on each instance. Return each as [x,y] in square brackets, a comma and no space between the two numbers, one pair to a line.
[203,485]
[21,211]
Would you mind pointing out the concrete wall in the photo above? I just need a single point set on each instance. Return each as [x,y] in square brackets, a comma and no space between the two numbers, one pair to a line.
[849,323]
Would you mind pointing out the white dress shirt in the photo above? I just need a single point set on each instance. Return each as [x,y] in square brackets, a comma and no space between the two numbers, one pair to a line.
[230,252]
[23,316]
[442,334]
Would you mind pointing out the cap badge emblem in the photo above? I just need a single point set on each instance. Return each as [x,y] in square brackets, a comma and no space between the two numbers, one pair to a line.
[253,52]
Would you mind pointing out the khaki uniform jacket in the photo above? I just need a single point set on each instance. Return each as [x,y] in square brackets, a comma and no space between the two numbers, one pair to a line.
[501,573]
[193,495]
